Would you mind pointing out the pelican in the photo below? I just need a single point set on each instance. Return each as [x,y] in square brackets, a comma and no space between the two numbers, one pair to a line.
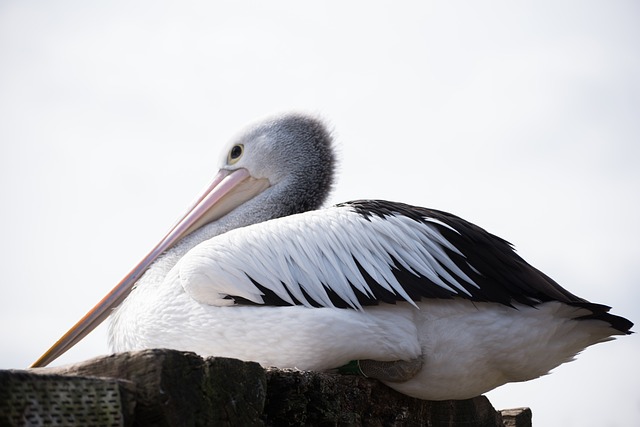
[430,304]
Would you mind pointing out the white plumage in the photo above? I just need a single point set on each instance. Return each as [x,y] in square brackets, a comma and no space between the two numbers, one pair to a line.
[316,251]
[254,272]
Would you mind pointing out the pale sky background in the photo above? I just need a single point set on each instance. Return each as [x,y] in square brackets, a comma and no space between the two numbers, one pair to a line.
[522,117]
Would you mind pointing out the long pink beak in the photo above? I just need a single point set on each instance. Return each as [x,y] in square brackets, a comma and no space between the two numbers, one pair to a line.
[215,201]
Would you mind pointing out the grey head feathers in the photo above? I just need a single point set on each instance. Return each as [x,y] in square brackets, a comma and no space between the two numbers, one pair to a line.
[296,154]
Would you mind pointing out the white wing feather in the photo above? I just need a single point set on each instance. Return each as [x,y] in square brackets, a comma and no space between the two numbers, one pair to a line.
[301,256]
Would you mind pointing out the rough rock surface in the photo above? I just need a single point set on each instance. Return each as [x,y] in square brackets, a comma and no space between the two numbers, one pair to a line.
[172,388]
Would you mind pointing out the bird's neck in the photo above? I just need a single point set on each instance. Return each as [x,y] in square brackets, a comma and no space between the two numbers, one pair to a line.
[270,204]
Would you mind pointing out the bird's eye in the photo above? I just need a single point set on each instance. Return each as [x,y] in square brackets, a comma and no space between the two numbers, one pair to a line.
[235,153]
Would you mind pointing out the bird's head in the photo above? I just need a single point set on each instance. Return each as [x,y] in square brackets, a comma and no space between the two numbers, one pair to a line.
[292,151]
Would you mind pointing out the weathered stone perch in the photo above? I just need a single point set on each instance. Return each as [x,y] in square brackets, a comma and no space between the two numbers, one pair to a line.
[172,388]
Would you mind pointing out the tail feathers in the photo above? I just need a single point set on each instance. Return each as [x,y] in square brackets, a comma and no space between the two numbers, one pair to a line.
[601,312]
